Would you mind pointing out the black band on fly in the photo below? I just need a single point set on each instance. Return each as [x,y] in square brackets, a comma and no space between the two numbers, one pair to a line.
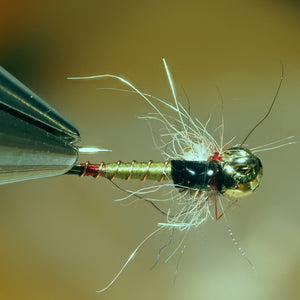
[202,175]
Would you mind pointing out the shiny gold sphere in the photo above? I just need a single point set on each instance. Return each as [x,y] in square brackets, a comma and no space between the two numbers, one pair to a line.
[242,171]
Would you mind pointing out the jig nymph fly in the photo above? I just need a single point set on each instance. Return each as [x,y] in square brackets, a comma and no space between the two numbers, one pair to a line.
[203,170]
[201,173]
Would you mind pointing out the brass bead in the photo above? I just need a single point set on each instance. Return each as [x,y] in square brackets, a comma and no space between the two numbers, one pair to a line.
[242,171]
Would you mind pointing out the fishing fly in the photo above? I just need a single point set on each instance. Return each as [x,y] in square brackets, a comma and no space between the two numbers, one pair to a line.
[205,177]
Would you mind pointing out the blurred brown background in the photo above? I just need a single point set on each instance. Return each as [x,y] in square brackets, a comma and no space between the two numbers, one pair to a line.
[64,237]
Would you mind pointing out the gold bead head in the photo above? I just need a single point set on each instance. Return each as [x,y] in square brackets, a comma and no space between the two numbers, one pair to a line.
[242,171]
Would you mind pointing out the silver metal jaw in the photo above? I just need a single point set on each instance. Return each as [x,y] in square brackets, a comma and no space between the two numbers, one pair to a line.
[35,140]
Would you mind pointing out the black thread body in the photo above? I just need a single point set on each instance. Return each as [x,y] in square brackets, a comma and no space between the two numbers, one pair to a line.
[202,175]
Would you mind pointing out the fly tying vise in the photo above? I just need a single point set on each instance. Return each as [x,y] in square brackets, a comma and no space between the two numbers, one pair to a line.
[35,140]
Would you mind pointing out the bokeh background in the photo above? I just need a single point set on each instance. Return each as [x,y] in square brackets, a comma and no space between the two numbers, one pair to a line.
[64,237]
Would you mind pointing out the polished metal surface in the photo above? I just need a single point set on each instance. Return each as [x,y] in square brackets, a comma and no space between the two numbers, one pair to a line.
[243,171]
[35,140]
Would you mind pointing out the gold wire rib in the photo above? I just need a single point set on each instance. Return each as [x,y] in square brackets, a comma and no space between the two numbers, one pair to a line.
[100,170]
[147,170]
[130,170]
[163,174]
[116,170]
[84,168]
